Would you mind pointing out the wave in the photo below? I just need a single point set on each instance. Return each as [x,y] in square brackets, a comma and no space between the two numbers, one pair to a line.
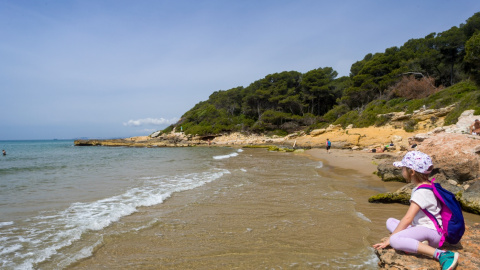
[234,154]
[362,216]
[3,224]
[44,235]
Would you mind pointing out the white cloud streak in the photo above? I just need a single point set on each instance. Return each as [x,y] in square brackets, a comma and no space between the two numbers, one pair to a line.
[150,121]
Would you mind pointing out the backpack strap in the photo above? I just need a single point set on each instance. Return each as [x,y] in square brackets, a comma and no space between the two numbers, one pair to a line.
[431,216]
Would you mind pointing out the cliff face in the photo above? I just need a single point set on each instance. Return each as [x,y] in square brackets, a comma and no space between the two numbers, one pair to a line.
[393,131]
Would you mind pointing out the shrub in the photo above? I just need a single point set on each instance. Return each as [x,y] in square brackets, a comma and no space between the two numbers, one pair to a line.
[409,126]
[348,118]
[382,120]
[335,113]
[168,129]
[411,88]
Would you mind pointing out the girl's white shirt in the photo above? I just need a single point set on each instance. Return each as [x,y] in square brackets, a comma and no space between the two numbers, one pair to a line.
[426,200]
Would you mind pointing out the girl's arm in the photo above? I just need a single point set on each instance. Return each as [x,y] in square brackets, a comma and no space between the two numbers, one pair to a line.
[408,218]
[404,223]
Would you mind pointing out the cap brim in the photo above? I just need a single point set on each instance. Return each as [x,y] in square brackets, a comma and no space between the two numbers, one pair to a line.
[398,164]
[428,172]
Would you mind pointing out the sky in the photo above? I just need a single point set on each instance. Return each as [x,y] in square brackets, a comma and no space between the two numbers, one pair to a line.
[115,68]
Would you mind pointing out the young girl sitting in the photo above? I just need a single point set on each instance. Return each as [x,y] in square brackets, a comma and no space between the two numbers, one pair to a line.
[415,227]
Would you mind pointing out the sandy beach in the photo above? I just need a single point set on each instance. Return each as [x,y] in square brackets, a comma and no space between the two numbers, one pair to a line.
[271,224]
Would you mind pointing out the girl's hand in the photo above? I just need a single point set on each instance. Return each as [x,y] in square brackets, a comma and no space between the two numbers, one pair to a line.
[384,244]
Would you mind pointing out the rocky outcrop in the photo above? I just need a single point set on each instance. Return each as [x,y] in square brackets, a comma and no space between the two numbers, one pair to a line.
[463,124]
[423,118]
[469,249]
[455,157]
[457,168]
[400,196]
[422,121]
[470,199]
[172,140]
[454,154]
[180,139]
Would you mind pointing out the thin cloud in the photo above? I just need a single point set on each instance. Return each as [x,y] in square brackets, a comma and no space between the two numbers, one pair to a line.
[150,121]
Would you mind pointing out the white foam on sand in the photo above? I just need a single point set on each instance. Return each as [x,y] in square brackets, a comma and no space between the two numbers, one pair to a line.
[49,232]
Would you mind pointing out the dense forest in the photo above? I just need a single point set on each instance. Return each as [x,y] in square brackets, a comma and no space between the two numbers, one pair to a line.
[437,70]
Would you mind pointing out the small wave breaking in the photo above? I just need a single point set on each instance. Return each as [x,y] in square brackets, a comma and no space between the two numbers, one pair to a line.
[226,156]
[44,235]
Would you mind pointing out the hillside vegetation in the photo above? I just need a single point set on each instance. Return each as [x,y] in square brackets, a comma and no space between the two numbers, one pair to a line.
[435,71]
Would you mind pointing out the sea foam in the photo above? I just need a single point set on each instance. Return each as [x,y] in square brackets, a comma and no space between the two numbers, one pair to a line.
[226,156]
[47,233]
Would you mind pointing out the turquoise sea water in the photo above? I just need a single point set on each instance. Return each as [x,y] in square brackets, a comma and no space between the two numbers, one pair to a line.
[53,194]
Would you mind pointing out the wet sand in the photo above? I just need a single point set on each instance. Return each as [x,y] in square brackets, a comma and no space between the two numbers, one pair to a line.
[354,172]
[269,225]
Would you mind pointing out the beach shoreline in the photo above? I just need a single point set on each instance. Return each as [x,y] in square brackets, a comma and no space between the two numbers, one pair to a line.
[357,160]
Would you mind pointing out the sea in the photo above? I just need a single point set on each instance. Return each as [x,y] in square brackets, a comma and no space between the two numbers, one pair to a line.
[59,202]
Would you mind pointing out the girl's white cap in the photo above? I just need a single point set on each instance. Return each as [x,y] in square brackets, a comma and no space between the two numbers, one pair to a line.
[416,161]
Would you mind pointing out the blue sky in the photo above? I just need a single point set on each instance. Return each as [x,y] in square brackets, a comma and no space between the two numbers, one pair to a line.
[105,69]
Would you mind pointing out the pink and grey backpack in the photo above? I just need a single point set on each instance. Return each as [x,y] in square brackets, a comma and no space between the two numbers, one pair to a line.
[452,217]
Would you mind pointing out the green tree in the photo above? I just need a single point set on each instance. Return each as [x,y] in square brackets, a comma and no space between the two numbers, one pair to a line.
[357,66]
[318,91]
[472,57]
[274,92]
[472,25]
[451,45]
[377,73]
[230,100]
[421,56]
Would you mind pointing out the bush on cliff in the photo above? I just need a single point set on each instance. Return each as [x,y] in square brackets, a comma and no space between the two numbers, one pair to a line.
[467,96]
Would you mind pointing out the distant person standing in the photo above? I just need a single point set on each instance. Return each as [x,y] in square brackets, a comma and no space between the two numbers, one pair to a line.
[328,144]
[4,153]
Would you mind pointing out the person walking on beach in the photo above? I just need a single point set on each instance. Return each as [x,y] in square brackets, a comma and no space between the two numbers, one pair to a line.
[328,144]
[415,227]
